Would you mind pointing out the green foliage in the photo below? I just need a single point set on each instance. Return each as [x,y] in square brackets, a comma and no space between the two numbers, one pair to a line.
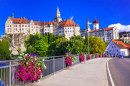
[51,37]
[19,50]
[106,43]
[58,47]
[4,50]
[76,45]
[5,33]
[96,45]
[41,48]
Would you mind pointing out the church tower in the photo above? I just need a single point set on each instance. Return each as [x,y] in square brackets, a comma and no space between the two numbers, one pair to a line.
[58,18]
[95,24]
[88,27]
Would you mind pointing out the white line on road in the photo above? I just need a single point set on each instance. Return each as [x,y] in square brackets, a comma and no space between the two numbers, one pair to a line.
[110,74]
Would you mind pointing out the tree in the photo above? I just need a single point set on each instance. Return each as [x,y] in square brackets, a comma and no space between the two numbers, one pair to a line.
[96,45]
[50,38]
[106,43]
[41,48]
[76,45]
[4,50]
[58,47]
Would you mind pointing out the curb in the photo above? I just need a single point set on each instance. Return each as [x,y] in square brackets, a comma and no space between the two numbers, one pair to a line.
[109,74]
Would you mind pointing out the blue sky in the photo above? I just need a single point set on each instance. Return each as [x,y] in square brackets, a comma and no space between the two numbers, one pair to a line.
[106,11]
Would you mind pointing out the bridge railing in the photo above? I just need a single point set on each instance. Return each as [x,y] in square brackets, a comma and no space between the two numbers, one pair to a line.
[53,64]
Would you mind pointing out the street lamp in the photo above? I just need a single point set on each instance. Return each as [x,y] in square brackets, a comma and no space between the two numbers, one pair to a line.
[88,35]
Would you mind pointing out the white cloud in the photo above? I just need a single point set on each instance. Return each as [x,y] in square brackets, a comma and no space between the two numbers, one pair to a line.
[121,27]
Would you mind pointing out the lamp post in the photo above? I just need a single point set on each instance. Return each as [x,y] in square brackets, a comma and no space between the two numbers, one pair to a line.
[88,35]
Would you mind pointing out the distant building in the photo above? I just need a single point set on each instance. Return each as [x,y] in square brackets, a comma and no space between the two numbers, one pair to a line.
[0,39]
[106,34]
[57,27]
[116,48]
[25,27]
[125,37]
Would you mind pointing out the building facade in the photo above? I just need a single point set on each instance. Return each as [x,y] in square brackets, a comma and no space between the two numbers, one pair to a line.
[106,34]
[25,27]
[125,37]
[117,48]
[57,27]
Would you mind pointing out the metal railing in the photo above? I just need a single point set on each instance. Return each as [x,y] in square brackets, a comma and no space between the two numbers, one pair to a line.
[53,64]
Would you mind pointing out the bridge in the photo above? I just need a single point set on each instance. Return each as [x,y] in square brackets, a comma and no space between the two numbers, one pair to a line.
[89,73]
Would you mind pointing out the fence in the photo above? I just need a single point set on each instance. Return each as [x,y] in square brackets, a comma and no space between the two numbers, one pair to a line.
[53,64]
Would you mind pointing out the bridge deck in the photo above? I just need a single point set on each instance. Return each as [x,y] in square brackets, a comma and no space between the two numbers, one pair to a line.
[90,73]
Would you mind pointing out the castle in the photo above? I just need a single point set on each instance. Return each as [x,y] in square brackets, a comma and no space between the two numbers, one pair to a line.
[57,27]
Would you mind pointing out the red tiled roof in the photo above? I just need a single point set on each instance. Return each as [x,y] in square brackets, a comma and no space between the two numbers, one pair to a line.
[105,29]
[47,23]
[67,23]
[96,21]
[120,44]
[20,20]
[37,23]
[77,25]
[128,46]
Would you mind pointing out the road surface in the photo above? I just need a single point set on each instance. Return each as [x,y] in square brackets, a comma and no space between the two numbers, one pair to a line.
[120,71]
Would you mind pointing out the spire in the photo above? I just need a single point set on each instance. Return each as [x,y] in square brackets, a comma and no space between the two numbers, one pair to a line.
[87,20]
[12,15]
[57,9]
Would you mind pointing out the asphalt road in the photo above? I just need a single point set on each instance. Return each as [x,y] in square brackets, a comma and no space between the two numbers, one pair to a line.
[120,71]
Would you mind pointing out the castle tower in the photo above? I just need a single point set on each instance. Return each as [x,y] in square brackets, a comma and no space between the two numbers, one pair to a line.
[58,18]
[95,24]
[88,27]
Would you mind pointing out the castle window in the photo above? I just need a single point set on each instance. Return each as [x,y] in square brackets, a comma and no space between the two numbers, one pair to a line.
[16,25]
[22,25]
[68,31]
[22,29]
[68,27]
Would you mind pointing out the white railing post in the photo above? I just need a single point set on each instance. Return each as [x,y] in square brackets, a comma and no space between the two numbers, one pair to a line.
[63,62]
[9,77]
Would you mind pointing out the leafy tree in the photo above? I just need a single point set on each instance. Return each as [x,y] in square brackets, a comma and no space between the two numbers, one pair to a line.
[51,37]
[41,48]
[76,45]
[96,45]
[4,50]
[106,43]
[58,47]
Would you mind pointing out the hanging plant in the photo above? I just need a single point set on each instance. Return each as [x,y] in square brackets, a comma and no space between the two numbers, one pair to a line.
[69,59]
[30,69]
[81,57]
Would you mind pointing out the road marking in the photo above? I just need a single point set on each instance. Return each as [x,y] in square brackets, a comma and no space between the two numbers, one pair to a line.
[110,74]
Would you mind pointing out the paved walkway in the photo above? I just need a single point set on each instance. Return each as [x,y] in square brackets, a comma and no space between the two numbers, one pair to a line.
[90,73]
